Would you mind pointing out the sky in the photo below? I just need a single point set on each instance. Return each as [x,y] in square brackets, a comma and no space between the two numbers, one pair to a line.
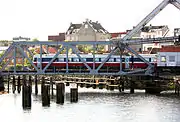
[40,18]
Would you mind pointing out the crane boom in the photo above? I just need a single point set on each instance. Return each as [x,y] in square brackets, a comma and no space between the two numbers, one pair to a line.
[176,3]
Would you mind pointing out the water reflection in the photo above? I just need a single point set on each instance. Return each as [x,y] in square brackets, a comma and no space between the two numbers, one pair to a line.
[94,106]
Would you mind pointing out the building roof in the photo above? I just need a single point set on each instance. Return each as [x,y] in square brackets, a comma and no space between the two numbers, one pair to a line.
[95,25]
[113,35]
[98,27]
[170,49]
[73,27]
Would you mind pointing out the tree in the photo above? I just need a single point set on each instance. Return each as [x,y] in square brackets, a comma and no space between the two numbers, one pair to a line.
[35,40]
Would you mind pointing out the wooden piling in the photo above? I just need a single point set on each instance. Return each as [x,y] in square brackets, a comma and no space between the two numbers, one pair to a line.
[26,95]
[46,95]
[122,85]
[30,83]
[60,92]
[8,83]
[36,85]
[112,87]
[52,89]
[42,84]
[119,87]
[19,84]
[14,84]
[2,83]
[132,87]
[74,94]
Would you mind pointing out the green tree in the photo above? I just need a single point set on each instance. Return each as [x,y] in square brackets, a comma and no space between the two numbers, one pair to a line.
[35,40]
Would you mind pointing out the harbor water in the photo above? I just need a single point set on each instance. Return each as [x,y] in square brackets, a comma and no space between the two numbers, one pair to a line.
[94,105]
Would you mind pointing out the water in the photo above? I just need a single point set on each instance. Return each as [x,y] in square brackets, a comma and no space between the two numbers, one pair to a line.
[94,106]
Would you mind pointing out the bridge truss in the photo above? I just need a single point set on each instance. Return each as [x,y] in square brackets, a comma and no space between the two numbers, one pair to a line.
[118,46]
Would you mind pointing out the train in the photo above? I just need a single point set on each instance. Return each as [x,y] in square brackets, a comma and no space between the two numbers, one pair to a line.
[167,59]
[113,63]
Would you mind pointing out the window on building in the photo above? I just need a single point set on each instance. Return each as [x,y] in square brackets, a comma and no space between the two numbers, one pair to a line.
[171,58]
[163,58]
[86,25]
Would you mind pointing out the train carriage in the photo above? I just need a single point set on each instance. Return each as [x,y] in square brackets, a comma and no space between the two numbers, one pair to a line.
[74,63]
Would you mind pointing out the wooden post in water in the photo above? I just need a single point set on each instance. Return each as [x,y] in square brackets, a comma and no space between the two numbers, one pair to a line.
[1,83]
[74,93]
[42,84]
[112,87]
[36,85]
[8,82]
[122,85]
[30,83]
[46,95]
[131,87]
[52,91]
[26,94]
[14,84]
[60,91]
[19,84]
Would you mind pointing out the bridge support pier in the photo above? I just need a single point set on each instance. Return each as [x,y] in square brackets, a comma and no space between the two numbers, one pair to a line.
[19,84]
[152,88]
[14,84]
[30,83]
[36,85]
[46,95]
[42,84]
[52,89]
[122,85]
[177,88]
[8,82]
[111,87]
[1,83]
[132,85]
[26,94]
[60,91]
[74,94]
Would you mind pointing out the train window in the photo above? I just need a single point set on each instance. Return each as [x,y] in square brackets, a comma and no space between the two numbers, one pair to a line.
[118,59]
[56,60]
[171,58]
[96,59]
[114,59]
[69,59]
[163,58]
[89,59]
[111,60]
[75,59]
[99,59]
[46,59]
[60,60]
[35,59]
[149,59]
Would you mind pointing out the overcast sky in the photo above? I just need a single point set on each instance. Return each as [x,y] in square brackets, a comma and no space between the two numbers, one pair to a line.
[40,18]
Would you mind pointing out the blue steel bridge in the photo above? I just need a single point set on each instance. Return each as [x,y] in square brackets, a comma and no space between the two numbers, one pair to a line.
[119,45]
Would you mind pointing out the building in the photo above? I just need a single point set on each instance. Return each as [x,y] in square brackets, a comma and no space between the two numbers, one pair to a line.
[150,32]
[60,37]
[154,32]
[87,31]
[118,35]
[20,38]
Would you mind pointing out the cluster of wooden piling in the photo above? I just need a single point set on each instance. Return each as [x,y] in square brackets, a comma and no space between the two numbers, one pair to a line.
[47,90]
